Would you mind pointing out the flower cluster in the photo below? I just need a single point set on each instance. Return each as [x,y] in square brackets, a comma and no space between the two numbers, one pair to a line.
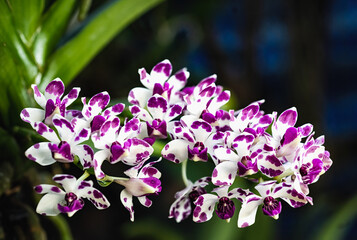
[279,159]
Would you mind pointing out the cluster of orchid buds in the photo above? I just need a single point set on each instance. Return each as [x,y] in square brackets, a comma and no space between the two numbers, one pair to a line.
[279,159]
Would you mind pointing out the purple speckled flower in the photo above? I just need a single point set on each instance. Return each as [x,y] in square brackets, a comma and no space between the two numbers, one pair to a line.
[70,199]
[119,143]
[205,97]
[95,112]
[191,140]
[269,192]
[251,119]
[51,103]
[285,137]
[159,82]
[181,208]
[205,204]
[143,181]
[157,116]
[64,147]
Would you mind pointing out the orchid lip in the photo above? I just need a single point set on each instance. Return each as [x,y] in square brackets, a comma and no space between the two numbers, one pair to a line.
[225,208]
[271,207]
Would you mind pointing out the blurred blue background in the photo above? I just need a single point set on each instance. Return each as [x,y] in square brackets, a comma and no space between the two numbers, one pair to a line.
[290,53]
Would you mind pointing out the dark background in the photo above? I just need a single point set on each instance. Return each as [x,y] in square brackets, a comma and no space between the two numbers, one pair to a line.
[290,53]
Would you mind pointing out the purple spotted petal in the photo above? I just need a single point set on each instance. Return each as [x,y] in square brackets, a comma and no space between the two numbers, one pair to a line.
[127,200]
[47,188]
[139,96]
[32,115]
[291,194]
[149,171]
[305,130]
[107,134]
[270,165]
[45,131]
[205,205]
[98,160]
[68,182]
[85,154]
[64,127]
[174,111]
[289,142]
[94,196]
[71,96]
[161,71]
[54,89]
[247,213]
[175,150]
[39,97]
[137,150]
[242,143]
[145,201]
[40,153]
[287,119]
[208,81]
[95,105]
[219,101]
[157,106]
[48,204]
[180,209]
[179,79]
[224,173]
[114,110]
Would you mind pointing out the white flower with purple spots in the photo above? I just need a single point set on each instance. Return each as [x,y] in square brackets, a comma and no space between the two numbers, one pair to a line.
[269,192]
[311,161]
[62,148]
[192,141]
[95,111]
[119,143]
[70,199]
[181,208]
[159,82]
[234,158]
[205,204]
[206,97]
[51,103]
[250,119]
[158,115]
[285,137]
[143,181]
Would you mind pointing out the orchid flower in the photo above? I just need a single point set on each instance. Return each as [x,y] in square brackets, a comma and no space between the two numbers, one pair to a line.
[159,114]
[64,147]
[205,98]
[96,113]
[143,181]
[159,82]
[205,204]
[285,137]
[192,140]
[269,192]
[235,156]
[51,103]
[181,208]
[70,199]
[119,143]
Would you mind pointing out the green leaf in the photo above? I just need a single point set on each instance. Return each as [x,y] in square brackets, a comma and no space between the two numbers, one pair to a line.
[10,40]
[27,15]
[53,25]
[71,58]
